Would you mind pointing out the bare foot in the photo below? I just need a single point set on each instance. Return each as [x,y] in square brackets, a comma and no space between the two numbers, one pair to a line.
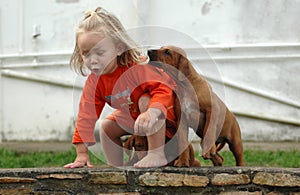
[152,160]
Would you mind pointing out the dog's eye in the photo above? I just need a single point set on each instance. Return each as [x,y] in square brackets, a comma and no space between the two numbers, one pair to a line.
[139,146]
[167,52]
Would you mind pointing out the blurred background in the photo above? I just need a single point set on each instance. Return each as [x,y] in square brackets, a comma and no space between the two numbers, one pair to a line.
[248,50]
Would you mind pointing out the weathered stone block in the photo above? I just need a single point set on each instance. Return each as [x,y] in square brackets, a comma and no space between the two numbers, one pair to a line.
[16,180]
[275,193]
[148,179]
[229,179]
[108,178]
[195,181]
[276,179]
[240,193]
[60,176]
[15,191]
[172,179]
[125,193]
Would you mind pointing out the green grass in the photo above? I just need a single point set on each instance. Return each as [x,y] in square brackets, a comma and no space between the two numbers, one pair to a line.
[288,159]
[11,159]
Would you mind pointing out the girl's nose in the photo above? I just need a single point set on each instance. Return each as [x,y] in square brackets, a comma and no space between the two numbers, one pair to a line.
[93,58]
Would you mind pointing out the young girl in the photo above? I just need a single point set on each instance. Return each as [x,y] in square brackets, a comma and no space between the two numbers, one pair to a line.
[141,94]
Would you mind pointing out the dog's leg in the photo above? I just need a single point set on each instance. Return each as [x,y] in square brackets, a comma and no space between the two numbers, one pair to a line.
[182,135]
[208,101]
[183,149]
[193,161]
[236,145]
[217,160]
[216,119]
[215,157]
[209,135]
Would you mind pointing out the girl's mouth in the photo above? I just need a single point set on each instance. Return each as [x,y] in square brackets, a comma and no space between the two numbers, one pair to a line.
[96,71]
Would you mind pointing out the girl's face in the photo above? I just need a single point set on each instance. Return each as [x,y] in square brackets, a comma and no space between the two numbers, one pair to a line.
[99,53]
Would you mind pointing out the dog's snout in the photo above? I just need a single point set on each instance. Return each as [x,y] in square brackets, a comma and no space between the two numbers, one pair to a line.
[152,54]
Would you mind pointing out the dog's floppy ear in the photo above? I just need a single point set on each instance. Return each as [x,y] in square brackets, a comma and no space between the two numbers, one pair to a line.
[129,144]
[183,66]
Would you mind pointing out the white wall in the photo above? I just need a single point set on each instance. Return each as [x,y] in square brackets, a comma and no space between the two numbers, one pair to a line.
[254,44]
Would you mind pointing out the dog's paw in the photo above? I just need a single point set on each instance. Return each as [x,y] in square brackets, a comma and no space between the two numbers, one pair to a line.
[181,163]
[206,156]
[217,160]
[210,154]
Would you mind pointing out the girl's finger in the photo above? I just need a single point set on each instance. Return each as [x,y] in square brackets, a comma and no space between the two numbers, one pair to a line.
[76,165]
[138,126]
[68,165]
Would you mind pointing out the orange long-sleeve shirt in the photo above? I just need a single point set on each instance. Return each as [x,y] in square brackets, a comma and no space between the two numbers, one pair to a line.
[121,90]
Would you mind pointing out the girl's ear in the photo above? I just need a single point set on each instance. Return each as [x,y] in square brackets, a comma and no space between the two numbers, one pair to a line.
[120,48]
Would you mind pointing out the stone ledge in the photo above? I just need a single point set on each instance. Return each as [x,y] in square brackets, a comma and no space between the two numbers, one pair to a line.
[166,180]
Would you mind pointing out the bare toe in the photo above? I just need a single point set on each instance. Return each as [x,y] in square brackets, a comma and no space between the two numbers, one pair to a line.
[152,160]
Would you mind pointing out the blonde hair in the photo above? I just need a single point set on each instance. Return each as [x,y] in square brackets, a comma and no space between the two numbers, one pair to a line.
[101,21]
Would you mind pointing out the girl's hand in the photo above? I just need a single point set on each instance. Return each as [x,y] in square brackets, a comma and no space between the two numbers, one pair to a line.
[82,158]
[148,122]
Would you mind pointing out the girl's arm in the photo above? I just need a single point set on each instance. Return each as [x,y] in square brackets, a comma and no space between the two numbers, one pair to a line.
[90,108]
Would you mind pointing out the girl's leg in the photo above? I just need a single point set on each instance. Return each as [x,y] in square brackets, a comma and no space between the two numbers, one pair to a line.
[110,137]
[156,155]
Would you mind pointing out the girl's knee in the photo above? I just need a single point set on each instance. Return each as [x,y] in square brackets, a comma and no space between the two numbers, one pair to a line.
[106,125]
[110,128]
[143,103]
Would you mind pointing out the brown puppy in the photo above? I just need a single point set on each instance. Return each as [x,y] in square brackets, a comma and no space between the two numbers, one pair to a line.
[140,146]
[221,125]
